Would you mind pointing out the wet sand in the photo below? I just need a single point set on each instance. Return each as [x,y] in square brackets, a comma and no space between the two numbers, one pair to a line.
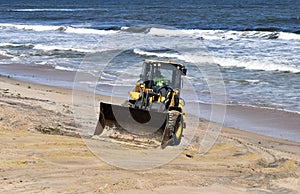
[45,74]
[41,152]
[274,123]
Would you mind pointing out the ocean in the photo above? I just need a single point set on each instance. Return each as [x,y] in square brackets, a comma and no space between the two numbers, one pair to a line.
[254,44]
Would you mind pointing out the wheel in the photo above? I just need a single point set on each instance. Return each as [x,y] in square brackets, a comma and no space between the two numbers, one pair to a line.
[173,131]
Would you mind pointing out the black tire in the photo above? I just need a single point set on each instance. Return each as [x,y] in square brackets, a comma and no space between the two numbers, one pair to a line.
[173,131]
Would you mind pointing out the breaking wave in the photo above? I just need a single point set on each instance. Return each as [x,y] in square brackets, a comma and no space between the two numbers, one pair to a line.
[66,29]
[225,34]
[227,62]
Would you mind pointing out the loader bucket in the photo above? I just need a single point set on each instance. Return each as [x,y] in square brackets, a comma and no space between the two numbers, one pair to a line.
[130,120]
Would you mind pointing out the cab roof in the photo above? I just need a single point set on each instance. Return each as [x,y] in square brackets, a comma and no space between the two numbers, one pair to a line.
[177,65]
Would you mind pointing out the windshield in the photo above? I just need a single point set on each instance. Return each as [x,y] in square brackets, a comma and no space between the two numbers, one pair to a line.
[162,74]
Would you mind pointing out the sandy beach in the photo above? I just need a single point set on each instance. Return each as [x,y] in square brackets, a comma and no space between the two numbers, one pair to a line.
[41,152]
[239,83]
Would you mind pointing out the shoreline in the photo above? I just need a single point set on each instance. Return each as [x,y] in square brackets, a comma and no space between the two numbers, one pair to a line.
[69,92]
[263,121]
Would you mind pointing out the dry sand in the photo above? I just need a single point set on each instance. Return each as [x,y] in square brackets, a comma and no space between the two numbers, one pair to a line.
[42,153]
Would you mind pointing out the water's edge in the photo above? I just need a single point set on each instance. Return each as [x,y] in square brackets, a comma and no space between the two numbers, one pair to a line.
[269,122]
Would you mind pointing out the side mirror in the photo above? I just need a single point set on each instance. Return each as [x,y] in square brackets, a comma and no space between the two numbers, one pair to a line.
[184,70]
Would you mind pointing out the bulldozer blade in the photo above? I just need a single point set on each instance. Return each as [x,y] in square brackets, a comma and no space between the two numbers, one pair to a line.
[134,121]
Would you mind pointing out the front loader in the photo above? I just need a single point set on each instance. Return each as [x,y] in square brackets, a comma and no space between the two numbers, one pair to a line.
[154,109]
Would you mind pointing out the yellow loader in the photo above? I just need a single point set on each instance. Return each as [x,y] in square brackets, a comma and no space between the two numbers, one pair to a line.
[154,109]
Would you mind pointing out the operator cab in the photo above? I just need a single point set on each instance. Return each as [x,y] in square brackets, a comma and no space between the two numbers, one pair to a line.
[158,74]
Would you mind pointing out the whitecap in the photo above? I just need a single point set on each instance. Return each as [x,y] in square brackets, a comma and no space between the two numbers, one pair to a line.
[255,65]
[61,48]
[289,36]
[70,29]
[66,29]
[163,55]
